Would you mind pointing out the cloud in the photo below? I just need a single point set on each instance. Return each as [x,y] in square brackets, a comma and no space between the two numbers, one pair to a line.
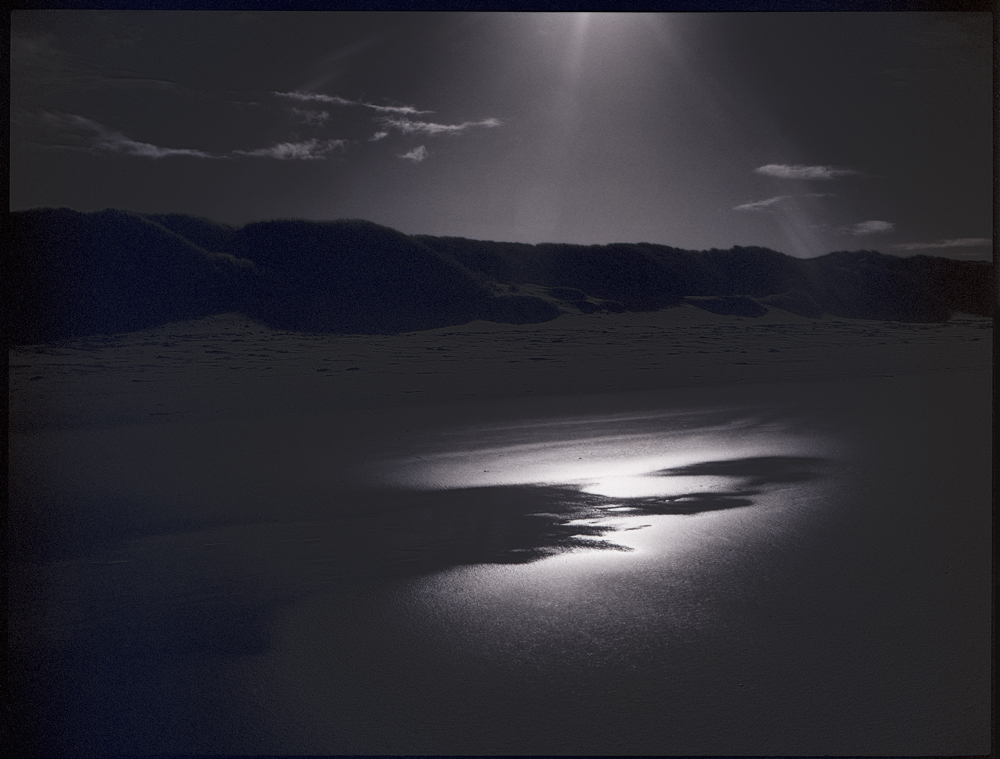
[306,150]
[80,132]
[311,117]
[762,205]
[406,126]
[394,117]
[67,130]
[122,144]
[871,228]
[961,242]
[778,201]
[315,97]
[404,109]
[71,131]
[416,155]
[785,171]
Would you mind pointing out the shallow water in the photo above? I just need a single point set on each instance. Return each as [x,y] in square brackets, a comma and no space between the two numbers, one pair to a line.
[788,570]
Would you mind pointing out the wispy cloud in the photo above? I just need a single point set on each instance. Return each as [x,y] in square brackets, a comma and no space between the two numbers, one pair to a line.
[306,150]
[70,130]
[407,126]
[778,202]
[961,242]
[786,171]
[314,97]
[416,155]
[871,228]
[317,97]
[64,130]
[407,110]
[762,205]
[311,117]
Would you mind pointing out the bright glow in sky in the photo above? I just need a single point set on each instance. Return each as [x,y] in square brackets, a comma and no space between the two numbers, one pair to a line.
[802,132]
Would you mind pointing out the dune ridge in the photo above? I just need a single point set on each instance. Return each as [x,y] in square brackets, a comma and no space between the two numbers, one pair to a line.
[74,274]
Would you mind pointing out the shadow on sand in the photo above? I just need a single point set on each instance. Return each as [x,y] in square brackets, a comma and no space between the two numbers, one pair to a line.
[211,594]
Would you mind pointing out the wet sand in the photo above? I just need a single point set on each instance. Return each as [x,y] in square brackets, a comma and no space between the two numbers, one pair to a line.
[222,543]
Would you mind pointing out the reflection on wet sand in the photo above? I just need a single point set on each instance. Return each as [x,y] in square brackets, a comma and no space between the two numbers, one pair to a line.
[524,523]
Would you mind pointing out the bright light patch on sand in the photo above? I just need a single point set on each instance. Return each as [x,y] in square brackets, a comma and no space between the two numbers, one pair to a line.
[658,486]
[639,482]
[673,564]
[589,451]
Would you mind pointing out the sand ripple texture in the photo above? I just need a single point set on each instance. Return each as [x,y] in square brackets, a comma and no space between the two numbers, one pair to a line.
[228,367]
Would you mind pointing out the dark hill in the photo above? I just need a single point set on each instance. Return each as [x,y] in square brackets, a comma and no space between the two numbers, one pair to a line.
[72,273]
[204,233]
[626,273]
[869,285]
[355,276]
[642,276]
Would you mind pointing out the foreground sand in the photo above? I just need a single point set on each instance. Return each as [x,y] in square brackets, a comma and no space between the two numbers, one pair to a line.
[193,505]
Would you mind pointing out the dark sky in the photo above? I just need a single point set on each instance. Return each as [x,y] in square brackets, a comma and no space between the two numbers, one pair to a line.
[802,132]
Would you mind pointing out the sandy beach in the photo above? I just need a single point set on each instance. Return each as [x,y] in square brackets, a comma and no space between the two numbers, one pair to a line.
[229,538]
